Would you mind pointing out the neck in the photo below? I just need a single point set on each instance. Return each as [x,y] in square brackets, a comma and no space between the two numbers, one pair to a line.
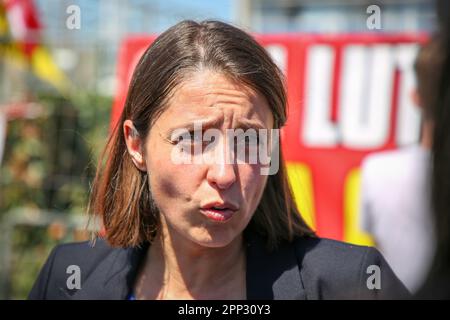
[179,268]
[426,140]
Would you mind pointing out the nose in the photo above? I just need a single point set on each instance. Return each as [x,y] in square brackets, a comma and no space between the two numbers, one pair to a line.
[221,172]
[221,175]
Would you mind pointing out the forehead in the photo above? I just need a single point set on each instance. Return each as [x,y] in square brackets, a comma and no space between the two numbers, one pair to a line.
[209,94]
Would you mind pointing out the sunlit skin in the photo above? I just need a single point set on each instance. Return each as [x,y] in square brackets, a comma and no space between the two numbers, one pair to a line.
[194,256]
[427,126]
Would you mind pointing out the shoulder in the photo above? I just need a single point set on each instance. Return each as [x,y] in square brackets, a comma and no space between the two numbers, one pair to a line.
[325,255]
[382,173]
[334,269]
[91,248]
[320,248]
[384,162]
[82,255]
[379,160]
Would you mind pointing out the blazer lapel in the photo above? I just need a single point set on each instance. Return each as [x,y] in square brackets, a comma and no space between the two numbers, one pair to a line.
[272,275]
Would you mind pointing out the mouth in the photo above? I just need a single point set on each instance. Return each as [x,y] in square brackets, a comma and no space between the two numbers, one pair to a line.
[219,212]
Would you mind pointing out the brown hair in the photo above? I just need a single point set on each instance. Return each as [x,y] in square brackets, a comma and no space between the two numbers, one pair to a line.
[428,68]
[120,193]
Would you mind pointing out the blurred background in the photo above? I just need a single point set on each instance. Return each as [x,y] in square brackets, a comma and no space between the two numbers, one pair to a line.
[59,79]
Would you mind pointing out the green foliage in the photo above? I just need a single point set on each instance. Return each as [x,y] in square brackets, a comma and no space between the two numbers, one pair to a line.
[30,247]
[48,164]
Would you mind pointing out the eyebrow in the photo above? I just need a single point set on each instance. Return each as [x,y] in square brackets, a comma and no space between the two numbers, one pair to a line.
[250,124]
[206,123]
[211,123]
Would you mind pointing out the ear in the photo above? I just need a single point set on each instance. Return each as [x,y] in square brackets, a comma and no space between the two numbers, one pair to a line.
[134,145]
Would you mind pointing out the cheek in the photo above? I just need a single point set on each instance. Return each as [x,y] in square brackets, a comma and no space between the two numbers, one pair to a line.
[164,176]
[171,184]
[252,183]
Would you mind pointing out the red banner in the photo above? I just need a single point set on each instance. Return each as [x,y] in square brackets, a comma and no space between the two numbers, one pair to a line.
[348,95]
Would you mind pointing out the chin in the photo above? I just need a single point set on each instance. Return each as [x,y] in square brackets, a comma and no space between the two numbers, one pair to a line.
[214,240]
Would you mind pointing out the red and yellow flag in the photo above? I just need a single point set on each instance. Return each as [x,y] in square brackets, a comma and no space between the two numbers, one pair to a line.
[21,43]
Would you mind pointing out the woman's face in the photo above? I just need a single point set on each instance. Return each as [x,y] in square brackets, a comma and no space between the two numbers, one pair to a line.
[190,195]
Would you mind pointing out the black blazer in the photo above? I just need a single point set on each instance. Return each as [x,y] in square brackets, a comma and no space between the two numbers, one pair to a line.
[307,268]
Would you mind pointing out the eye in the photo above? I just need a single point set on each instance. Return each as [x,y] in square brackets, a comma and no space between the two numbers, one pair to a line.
[248,140]
[191,137]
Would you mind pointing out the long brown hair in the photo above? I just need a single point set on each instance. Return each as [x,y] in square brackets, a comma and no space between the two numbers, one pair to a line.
[120,192]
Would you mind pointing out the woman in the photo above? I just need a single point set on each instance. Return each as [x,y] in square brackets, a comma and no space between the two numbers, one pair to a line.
[219,229]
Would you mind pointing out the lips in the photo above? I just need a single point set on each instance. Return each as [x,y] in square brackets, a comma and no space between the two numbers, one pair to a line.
[219,211]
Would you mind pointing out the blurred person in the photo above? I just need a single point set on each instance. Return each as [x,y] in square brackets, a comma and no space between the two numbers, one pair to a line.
[395,186]
[437,285]
[213,230]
